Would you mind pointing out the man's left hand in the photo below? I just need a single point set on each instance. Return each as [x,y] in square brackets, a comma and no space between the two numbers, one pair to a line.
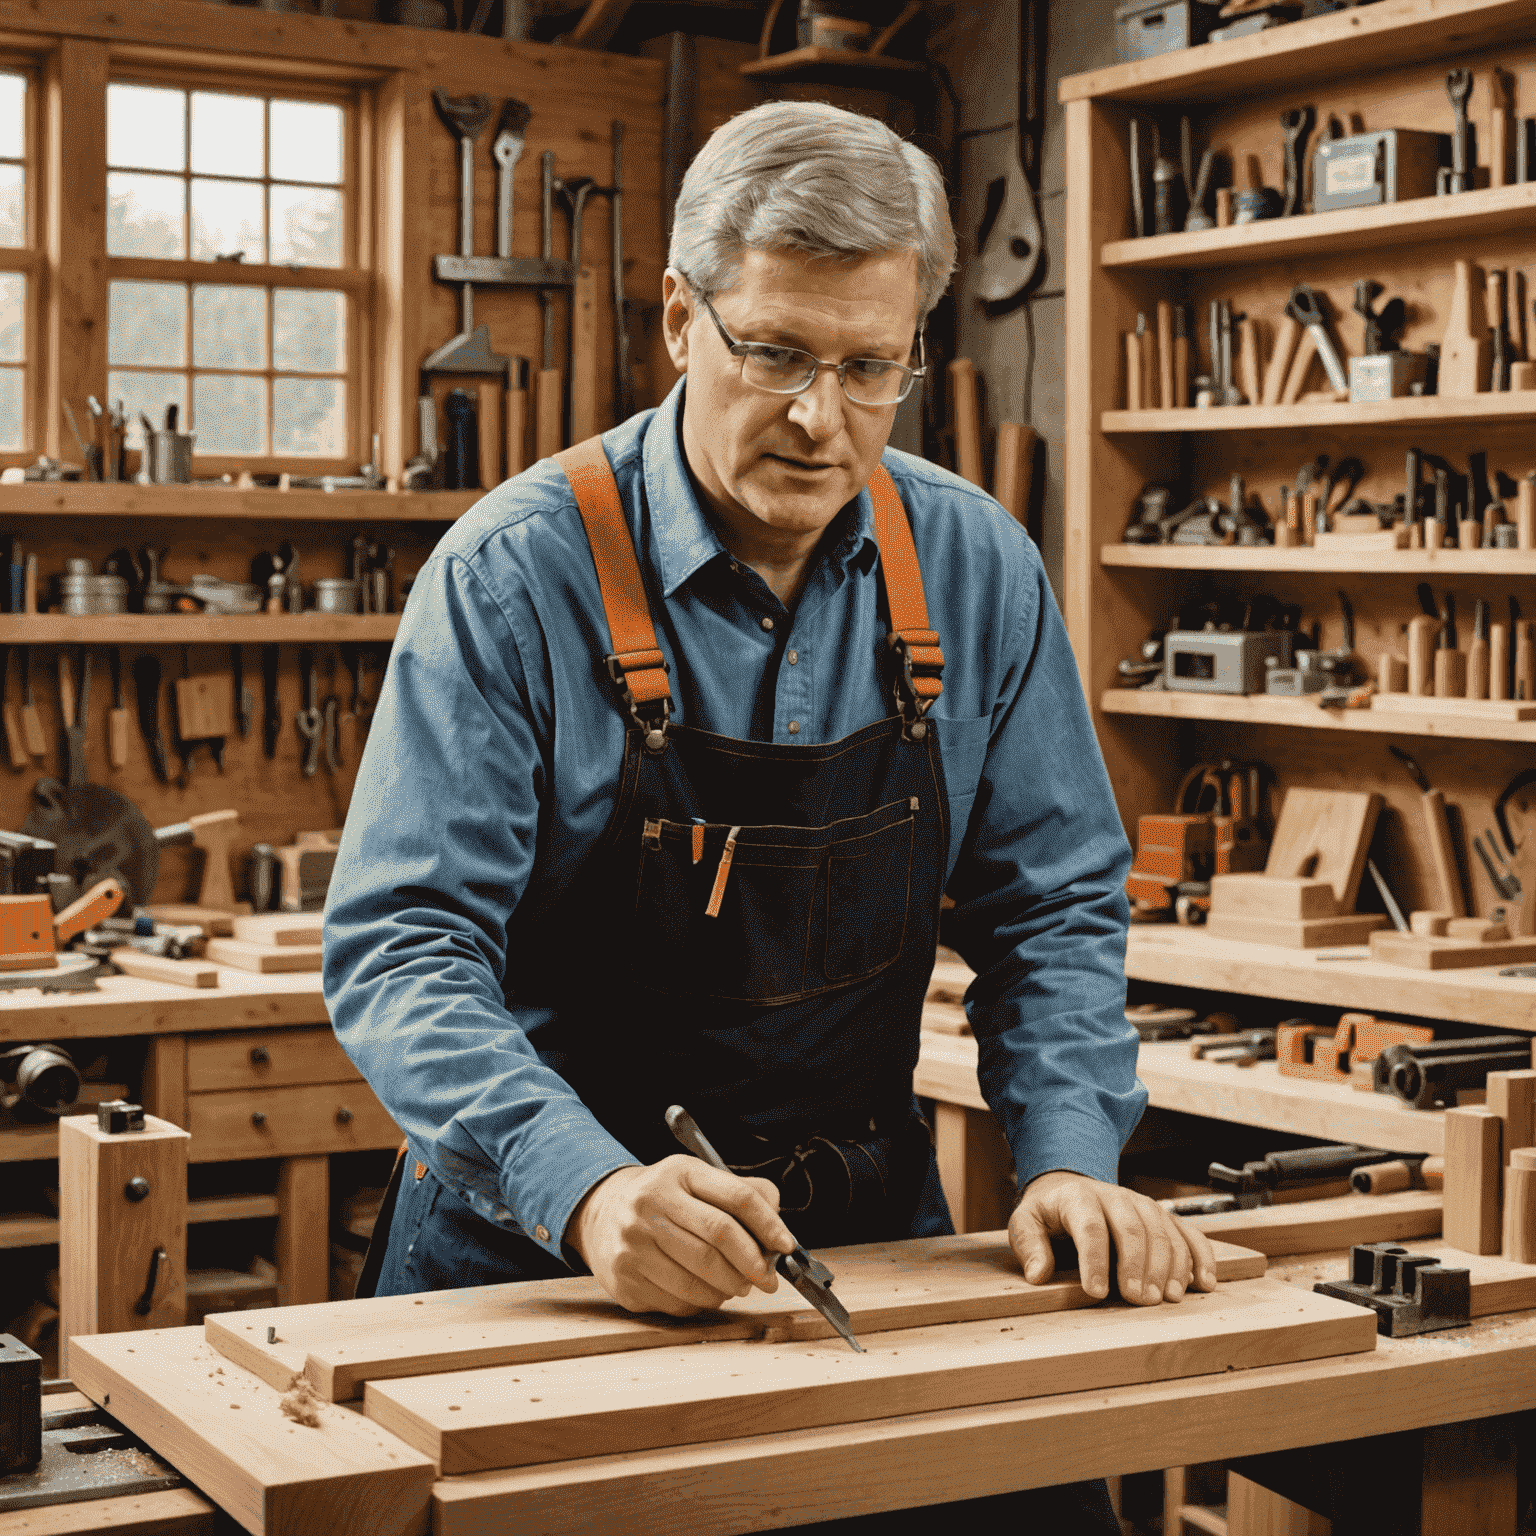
[1159,1257]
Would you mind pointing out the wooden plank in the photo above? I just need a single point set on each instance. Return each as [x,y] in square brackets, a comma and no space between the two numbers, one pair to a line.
[266,959]
[165,1078]
[174,973]
[293,1122]
[195,628]
[557,1411]
[1425,952]
[231,1208]
[21,1229]
[1473,1193]
[1265,557]
[170,1512]
[304,1230]
[341,1345]
[70,499]
[1313,1226]
[278,928]
[223,1430]
[267,1058]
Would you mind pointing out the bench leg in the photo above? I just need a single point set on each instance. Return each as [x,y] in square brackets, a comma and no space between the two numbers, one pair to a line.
[974,1167]
[304,1230]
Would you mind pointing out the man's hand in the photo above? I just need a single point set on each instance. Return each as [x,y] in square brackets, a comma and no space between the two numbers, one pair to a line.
[1160,1256]
[679,1236]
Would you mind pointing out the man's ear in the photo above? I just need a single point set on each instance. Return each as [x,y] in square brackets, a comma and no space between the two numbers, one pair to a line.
[676,316]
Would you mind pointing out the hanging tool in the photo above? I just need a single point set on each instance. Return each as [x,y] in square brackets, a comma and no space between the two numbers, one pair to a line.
[1505,882]
[117,719]
[581,342]
[74,710]
[1010,242]
[31,725]
[547,403]
[1306,308]
[146,682]
[808,1275]
[330,715]
[309,719]
[15,747]
[623,365]
[466,117]
[245,700]
[1438,830]
[205,713]
[1458,86]
[271,713]
[1297,125]
[506,151]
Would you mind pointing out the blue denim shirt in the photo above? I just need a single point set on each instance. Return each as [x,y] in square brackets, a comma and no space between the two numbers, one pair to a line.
[491,770]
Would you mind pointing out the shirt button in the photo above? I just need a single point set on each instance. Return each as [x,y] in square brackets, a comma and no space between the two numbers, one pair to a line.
[794,727]
[766,622]
[541,1232]
[794,656]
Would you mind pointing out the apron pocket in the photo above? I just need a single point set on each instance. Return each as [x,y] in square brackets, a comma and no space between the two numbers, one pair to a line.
[869,883]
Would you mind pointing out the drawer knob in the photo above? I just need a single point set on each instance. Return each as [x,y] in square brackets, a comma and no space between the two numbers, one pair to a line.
[343,1115]
[137,1188]
[258,1117]
[260,1056]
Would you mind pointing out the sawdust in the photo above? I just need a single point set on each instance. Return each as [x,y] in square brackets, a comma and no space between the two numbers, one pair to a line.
[302,1403]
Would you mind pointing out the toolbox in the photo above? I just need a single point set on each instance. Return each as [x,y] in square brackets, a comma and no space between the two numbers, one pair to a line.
[1211,661]
[1389,166]
[1143,30]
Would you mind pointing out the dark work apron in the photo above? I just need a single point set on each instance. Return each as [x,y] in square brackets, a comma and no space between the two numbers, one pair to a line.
[752,936]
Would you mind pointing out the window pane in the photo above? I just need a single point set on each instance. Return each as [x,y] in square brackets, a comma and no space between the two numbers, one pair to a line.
[147,325]
[11,394]
[226,220]
[226,134]
[309,416]
[13,205]
[306,142]
[146,215]
[146,127]
[13,116]
[147,394]
[309,331]
[306,226]
[228,414]
[229,327]
[13,317]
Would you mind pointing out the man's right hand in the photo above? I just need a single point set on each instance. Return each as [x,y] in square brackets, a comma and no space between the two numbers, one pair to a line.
[679,1237]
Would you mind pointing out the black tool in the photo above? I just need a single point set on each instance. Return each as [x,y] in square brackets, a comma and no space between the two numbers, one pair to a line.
[461,456]
[308,719]
[1410,1293]
[1138,206]
[1256,1184]
[808,1275]
[271,712]
[1458,86]
[245,700]
[1297,124]
[1429,1072]
[1412,489]
[1498,320]
[1170,193]
[1448,623]
[1504,880]
[1306,307]
[146,683]
[1382,327]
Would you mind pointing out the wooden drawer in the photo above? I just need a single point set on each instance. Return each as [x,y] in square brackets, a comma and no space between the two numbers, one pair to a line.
[266,1058]
[288,1122]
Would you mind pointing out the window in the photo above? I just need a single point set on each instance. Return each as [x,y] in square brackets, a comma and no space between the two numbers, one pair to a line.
[17,262]
[233,281]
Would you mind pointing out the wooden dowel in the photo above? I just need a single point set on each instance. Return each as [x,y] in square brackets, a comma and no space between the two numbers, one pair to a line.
[1165,354]
[965,418]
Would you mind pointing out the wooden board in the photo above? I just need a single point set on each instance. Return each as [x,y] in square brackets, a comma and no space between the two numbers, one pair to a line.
[341,1345]
[559,1410]
[1312,1226]
[1304,933]
[1425,952]
[282,928]
[1324,834]
[174,973]
[266,959]
[170,1512]
[222,1429]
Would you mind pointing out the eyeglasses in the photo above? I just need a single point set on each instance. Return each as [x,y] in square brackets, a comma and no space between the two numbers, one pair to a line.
[789,371]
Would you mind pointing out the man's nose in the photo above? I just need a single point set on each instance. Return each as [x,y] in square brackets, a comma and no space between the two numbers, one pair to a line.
[819,410]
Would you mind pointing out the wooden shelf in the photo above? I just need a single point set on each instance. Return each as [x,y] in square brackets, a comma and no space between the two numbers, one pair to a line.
[196,628]
[1305,54]
[1191,957]
[1412,411]
[24,1230]
[1261,709]
[801,60]
[1515,564]
[84,499]
[1492,211]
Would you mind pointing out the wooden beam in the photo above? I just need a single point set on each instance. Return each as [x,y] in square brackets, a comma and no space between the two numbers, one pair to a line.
[1315,1226]
[165,1078]
[975,1167]
[304,1230]
[517,1415]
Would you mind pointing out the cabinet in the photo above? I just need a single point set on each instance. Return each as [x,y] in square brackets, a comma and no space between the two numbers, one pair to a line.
[1377,67]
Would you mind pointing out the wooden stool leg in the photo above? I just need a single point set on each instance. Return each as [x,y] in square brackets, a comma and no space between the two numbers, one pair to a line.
[1254,1511]
[974,1165]
[1469,1481]
[304,1230]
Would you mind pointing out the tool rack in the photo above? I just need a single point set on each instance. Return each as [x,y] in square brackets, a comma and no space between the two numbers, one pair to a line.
[1387,63]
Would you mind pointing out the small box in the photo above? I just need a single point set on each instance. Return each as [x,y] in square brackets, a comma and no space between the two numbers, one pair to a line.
[1143,30]
[1386,375]
[1209,661]
[1390,166]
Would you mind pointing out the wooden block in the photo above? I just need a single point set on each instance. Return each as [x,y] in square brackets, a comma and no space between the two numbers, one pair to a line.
[189,915]
[517,1415]
[107,1240]
[1465,348]
[1523,1157]
[1361,543]
[1501,710]
[1478,929]
[1421,649]
[205,706]
[1472,1192]
[1431,954]
[1253,1510]
[1522,376]
[1324,834]
[170,1512]
[1272,897]
[165,1078]
[304,1230]
[223,1429]
[1519,1229]
[1512,1097]
[176,973]
[1429,924]
[885,1286]
[284,929]
[1314,1226]
[268,959]
[1312,933]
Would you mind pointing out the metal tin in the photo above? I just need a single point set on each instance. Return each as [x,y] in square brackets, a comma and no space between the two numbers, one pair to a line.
[93,594]
[336,594]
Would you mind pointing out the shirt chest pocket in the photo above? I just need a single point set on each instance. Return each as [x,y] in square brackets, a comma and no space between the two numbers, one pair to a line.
[770,914]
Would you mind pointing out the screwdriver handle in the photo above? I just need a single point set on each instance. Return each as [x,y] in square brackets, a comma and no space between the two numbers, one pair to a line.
[685,1128]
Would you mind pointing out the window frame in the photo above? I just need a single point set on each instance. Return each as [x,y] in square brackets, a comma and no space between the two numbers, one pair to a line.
[30,259]
[352,278]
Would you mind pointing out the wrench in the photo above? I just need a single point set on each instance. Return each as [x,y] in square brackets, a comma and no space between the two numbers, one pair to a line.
[1304,307]
[1458,86]
[308,719]
[1297,124]
[506,151]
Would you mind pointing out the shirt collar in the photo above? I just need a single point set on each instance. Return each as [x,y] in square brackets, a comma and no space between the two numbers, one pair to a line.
[682,536]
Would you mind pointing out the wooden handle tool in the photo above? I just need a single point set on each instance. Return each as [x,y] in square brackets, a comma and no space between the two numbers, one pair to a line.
[1498,661]
[1133,400]
[547,409]
[1287,334]
[1248,360]
[1421,653]
[1525,513]
[1180,358]
[1014,472]
[517,419]
[117,716]
[489,415]
[1301,366]
[1478,659]
[584,356]
[1525,662]
[965,419]
[1165,354]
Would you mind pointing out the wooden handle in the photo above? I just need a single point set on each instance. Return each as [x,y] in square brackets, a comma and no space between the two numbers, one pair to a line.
[213,832]
[1421,649]
[117,738]
[584,356]
[101,901]
[1523,867]
[1525,514]
[66,691]
[1133,400]
[1248,361]
[1525,663]
[1301,366]
[15,747]
[1477,669]
[1165,354]
[1280,360]
[1498,152]
[1149,369]
[178,973]
[29,587]
[1438,830]
[1498,661]
[1391,673]
[1450,676]
[1469,533]
[1014,471]
[1181,373]
[489,423]
[517,431]
[965,418]
[32,730]
[1223,207]
[547,408]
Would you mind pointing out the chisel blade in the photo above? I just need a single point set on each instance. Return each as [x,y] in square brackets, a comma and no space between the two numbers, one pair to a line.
[813,1280]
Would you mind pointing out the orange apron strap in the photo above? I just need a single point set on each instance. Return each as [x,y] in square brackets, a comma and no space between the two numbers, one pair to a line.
[921,661]
[636,664]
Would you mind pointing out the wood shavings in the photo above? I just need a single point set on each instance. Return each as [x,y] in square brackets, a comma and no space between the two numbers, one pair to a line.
[302,1403]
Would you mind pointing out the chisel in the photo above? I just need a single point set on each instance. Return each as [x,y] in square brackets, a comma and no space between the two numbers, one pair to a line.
[1450,663]
[809,1276]
[1477,653]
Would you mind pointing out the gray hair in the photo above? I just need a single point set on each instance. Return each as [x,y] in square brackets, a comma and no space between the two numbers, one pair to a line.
[806,176]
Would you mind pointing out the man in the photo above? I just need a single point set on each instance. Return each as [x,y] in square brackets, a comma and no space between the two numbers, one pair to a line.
[671,767]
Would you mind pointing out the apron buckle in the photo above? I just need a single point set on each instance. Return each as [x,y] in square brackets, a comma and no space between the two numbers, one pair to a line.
[641,678]
[918,680]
